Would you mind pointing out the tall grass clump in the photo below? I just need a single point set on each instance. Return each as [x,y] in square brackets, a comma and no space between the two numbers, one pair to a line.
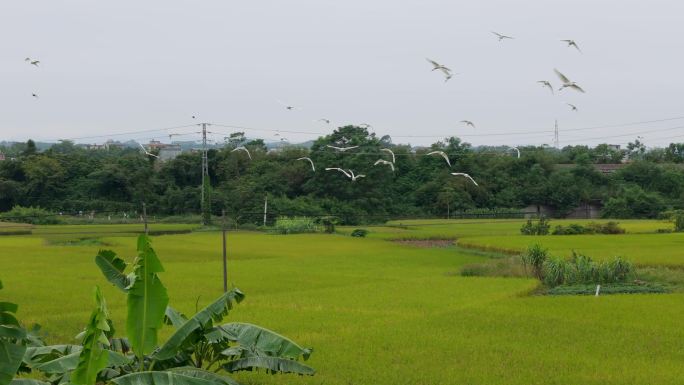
[583,270]
[535,256]
[295,225]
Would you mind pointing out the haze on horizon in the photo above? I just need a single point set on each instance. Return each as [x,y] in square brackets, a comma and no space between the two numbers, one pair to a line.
[113,67]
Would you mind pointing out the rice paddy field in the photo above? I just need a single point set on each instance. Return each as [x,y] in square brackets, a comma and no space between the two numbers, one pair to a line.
[378,311]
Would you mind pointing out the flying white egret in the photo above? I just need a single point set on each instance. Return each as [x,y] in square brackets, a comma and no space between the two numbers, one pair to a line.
[501,37]
[349,173]
[437,66]
[35,62]
[147,152]
[243,148]
[442,154]
[382,161]
[341,149]
[516,150]
[572,107]
[468,123]
[391,152]
[310,161]
[546,83]
[465,176]
[572,43]
[365,125]
[567,82]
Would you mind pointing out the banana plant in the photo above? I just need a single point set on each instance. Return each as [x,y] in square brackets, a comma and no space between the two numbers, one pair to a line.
[195,353]
[200,346]
[12,342]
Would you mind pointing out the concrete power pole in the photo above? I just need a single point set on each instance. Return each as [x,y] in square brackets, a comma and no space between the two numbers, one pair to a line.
[556,142]
[265,209]
[205,172]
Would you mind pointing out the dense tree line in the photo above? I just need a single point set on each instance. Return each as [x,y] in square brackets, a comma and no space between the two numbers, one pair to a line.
[69,178]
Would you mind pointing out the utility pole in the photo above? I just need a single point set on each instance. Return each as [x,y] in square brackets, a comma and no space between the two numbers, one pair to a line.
[555,136]
[225,259]
[205,176]
[265,208]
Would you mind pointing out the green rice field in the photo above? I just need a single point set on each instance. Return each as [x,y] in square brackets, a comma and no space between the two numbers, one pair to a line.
[377,311]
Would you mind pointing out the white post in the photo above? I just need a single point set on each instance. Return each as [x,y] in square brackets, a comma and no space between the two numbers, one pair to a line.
[598,289]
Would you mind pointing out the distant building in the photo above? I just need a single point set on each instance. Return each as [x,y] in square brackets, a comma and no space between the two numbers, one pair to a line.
[614,147]
[2,156]
[156,145]
[166,151]
[169,152]
[111,144]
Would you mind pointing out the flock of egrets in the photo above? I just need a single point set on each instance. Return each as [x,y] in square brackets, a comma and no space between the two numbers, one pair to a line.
[380,162]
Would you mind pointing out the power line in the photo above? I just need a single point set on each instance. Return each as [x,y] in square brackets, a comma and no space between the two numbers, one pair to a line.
[126,133]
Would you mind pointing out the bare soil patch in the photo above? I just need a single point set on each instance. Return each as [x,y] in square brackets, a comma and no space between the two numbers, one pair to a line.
[427,243]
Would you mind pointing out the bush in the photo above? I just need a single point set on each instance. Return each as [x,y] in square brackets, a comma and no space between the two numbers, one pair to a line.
[295,225]
[591,228]
[572,229]
[535,256]
[359,233]
[32,215]
[606,228]
[328,223]
[679,222]
[540,227]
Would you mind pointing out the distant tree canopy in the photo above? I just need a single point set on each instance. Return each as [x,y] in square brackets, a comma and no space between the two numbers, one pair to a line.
[70,178]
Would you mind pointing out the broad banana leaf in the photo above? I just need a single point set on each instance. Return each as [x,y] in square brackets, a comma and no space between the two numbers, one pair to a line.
[27,381]
[12,348]
[70,362]
[260,341]
[201,373]
[113,267]
[174,317]
[93,357]
[271,364]
[41,354]
[147,300]
[11,356]
[172,378]
[188,333]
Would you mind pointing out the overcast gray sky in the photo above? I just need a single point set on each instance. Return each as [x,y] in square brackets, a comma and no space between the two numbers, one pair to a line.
[120,66]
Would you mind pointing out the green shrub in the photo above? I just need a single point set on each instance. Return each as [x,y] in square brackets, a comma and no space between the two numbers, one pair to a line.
[32,215]
[591,228]
[679,221]
[295,225]
[328,223]
[540,227]
[606,228]
[359,233]
[535,256]
[572,229]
